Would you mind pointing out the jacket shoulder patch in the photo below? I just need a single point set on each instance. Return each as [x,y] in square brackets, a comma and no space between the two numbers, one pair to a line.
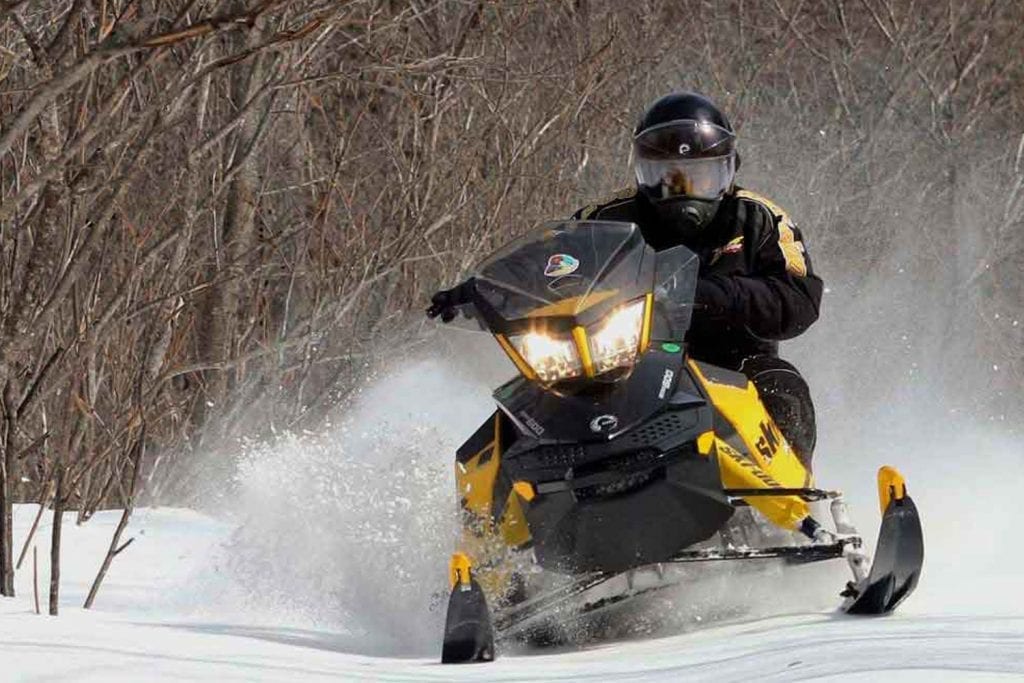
[792,248]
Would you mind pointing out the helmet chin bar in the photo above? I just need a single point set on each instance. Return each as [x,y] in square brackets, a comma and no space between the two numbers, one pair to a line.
[686,215]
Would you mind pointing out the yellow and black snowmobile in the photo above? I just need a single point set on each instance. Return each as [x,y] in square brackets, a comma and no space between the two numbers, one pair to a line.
[612,451]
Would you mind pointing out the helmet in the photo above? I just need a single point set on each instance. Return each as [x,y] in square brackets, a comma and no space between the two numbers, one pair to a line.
[684,155]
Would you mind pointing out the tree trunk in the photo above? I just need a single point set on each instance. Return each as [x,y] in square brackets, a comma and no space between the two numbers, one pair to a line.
[237,236]
[129,506]
[58,516]
[6,496]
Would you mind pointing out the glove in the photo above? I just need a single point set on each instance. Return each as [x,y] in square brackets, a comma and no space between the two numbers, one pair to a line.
[712,296]
[712,304]
[446,302]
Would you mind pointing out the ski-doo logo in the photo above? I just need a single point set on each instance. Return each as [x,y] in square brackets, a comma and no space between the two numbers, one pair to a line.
[560,265]
[746,463]
[769,442]
[602,424]
[684,149]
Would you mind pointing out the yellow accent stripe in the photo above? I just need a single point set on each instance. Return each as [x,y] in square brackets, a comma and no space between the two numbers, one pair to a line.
[645,331]
[704,443]
[617,196]
[520,363]
[579,335]
[792,251]
[573,305]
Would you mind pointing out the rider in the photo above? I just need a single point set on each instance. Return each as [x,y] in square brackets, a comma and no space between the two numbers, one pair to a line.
[756,284]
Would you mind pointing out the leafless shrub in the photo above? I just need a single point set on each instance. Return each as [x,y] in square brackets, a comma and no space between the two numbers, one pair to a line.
[215,213]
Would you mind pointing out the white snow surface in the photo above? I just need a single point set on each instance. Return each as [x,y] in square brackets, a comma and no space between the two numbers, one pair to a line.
[317,567]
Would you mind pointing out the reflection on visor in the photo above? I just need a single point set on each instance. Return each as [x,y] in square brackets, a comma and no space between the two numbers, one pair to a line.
[696,178]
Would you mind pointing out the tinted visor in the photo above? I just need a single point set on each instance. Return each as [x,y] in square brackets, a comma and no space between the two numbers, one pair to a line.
[695,178]
[685,158]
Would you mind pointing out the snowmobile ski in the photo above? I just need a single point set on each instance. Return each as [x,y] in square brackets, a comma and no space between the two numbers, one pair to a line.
[468,633]
[899,554]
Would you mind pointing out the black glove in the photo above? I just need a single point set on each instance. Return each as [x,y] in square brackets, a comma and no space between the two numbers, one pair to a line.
[712,304]
[446,302]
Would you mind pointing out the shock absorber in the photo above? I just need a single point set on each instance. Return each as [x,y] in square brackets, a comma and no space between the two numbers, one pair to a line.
[860,563]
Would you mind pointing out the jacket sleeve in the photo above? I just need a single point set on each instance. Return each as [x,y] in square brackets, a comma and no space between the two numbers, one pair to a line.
[779,297]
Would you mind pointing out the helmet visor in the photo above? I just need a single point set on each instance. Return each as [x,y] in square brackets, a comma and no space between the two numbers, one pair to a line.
[685,158]
[695,178]
[684,139]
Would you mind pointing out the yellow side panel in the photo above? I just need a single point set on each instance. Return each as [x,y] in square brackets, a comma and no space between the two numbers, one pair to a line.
[739,472]
[475,481]
[768,461]
[513,522]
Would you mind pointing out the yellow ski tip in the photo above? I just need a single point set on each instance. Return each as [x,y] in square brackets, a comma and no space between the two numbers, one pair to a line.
[891,486]
[459,570]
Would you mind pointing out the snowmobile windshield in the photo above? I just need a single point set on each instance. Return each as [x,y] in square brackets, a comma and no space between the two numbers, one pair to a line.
[572,268]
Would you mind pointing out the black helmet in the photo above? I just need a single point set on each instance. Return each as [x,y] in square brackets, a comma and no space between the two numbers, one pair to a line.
[684,154]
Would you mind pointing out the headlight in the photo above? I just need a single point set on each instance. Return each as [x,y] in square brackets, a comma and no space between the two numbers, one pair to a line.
[550,358]
[614,341]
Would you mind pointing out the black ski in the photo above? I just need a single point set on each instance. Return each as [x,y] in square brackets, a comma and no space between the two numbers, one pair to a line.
[899,557]
[468,633]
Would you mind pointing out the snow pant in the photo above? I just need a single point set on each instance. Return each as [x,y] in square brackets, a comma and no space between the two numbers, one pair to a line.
[787,399]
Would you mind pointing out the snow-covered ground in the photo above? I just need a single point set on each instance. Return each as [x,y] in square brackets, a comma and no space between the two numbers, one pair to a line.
[319,568]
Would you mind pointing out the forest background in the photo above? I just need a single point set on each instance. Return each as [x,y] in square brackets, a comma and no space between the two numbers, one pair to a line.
[217,216]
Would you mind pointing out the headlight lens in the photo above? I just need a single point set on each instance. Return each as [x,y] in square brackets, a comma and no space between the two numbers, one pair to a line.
[614,341]
[551,358]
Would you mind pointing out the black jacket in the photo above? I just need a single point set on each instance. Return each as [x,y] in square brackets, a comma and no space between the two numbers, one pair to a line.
[756,283]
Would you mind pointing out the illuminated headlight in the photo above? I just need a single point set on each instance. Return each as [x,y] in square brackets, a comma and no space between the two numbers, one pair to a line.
[550,358]
[614,341]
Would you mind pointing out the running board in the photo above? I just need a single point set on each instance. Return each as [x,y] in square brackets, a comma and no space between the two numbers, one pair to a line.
[797,554]
[510,618]
[737,497]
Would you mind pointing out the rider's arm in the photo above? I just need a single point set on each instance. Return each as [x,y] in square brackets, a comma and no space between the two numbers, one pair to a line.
[779,296]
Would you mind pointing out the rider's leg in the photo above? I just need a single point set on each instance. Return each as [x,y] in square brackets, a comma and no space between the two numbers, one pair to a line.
[788,400]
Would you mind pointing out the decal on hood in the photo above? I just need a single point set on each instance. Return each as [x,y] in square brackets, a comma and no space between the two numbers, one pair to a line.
[561,264]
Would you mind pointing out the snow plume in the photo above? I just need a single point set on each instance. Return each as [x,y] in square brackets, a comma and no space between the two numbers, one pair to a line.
[349,530]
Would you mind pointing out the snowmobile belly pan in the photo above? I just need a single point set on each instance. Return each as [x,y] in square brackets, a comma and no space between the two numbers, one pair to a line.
[681,503]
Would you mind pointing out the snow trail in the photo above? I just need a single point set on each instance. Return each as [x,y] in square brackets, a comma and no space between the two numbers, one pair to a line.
[325,565]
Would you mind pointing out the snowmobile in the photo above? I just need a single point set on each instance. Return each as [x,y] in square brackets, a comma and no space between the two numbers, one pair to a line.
[613,453]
